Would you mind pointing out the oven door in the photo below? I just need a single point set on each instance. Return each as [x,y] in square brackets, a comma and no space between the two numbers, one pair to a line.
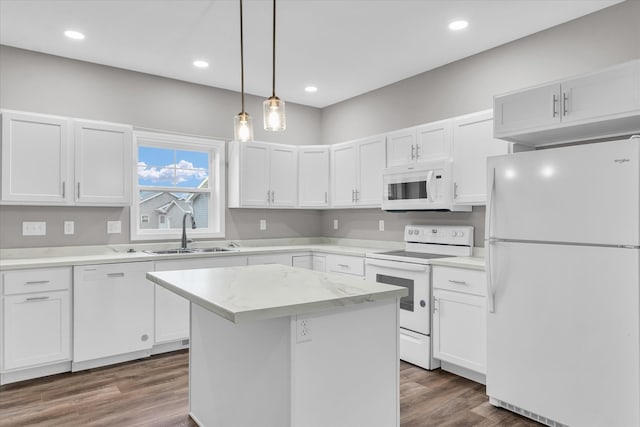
[415,309]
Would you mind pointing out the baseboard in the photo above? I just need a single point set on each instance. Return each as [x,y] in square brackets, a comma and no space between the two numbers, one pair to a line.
[31,373]
[169,346]
[111,360]
[464,372]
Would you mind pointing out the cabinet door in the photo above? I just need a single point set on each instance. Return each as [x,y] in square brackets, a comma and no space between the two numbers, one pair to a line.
[319,263]
[313,176]
[254,170]
[530,109]
[401,147]
[37,329]
[433,141]
[172,310]
[371,161]
[303,261]
[103,163]
[283,175]
[343,174]
[460,329]
[473,142]
[112,310]
[611,92]
[35,159]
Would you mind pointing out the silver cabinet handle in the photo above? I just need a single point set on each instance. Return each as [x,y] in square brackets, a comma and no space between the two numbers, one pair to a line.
[37,282]
[326,197]
[413,156]
[115,274]
[417,151]
[268,196]
[565,102]
[436,304]
[353,195]
[78,190]
[458,282]
[455,190]
[555,105]
[343,265]
[64,185]
[357,195]
[273,196]
[32,299]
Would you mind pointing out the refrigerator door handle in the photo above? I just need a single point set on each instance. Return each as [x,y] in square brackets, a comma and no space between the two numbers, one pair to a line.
[490,241]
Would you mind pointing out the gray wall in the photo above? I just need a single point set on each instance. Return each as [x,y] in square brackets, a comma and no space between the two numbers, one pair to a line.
[42,83]
[48,84]
[607,37]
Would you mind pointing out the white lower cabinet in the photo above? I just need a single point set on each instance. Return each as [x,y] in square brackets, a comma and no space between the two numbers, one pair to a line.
[303,261]
[36,318]
[112,313]
[319,263]
[459,318]
[171,310]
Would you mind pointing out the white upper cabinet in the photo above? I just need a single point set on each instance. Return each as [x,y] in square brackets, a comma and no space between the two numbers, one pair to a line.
[49,160]
[35,159]
[262,174]
[103,163]
[356,172]
[422,143]
[473,142]
[313,176]
[599,104]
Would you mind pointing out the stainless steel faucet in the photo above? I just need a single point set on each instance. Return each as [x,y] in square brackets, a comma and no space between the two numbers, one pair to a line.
[184,228]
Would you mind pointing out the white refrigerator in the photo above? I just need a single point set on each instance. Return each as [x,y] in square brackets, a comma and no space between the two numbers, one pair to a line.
[563,260]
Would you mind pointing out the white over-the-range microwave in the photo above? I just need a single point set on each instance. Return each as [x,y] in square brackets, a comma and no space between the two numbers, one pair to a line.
[420,186]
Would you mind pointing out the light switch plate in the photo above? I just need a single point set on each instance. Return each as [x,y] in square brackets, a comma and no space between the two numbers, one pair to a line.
[381,225]
[335,224]
[33,228]
[69,227]
[114,227]
[263,224]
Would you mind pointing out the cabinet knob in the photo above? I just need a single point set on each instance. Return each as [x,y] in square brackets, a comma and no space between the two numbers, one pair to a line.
[144,337]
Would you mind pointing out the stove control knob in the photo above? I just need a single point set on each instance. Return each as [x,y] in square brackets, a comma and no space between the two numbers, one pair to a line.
[461,234]
[410,231]
[454,233]
[422,303]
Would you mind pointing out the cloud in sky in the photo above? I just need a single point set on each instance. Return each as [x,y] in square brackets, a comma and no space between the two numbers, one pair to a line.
[181,172]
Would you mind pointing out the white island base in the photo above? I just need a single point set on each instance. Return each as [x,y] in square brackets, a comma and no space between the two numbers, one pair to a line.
[258,373]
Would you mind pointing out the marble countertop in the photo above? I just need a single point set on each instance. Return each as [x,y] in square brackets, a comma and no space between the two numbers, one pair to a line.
[468,262]
[13,259]
[269,291]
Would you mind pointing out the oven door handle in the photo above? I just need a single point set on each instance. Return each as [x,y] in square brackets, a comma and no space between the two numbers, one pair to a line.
[397,265]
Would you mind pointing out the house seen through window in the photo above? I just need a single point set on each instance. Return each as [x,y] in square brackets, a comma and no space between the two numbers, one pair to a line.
[177,176]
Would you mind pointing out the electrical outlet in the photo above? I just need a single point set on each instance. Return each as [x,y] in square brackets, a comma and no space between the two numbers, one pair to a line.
[69,227]
[335,224]
[114,227]
[381,225]
[263,224]
[31,228]
[303,330]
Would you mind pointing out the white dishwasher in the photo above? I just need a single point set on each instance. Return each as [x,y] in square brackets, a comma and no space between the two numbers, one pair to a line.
[112,314]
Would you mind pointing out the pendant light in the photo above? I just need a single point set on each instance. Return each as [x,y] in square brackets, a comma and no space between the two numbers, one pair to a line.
[242,126]
[274,117]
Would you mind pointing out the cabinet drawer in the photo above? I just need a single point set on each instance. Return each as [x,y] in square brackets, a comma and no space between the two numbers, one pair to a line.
[40,280]
[345,264]
[460,280]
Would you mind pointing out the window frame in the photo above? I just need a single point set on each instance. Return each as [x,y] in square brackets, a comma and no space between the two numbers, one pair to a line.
[216,189]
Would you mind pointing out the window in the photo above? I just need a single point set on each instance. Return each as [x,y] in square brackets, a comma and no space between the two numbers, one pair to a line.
[177,175]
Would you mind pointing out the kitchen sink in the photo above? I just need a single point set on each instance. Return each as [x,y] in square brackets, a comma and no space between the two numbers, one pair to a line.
[189,251]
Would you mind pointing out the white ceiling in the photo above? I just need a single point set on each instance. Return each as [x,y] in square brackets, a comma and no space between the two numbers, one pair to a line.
[345,47]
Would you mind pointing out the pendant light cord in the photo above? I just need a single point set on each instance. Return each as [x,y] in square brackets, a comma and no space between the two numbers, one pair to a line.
[241,58]
[273,84]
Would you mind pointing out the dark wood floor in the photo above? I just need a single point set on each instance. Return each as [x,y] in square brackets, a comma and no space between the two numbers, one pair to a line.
[153,392]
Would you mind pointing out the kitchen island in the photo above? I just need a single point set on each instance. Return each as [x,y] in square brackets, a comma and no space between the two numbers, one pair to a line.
[273,345]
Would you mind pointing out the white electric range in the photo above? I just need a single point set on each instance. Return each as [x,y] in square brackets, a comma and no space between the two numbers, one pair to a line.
[411,269]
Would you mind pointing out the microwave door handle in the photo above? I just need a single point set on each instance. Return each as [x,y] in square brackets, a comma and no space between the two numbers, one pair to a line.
[429,187]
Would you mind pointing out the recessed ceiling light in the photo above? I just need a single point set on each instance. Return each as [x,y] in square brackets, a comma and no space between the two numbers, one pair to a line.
[76,35]
[200,64]
[458,25]
[311,89]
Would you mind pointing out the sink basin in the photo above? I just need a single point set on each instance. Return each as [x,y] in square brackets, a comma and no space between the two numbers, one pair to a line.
[189,251]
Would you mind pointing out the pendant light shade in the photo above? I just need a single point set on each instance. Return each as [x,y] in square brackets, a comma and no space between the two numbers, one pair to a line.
[273,110]
[242,125]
